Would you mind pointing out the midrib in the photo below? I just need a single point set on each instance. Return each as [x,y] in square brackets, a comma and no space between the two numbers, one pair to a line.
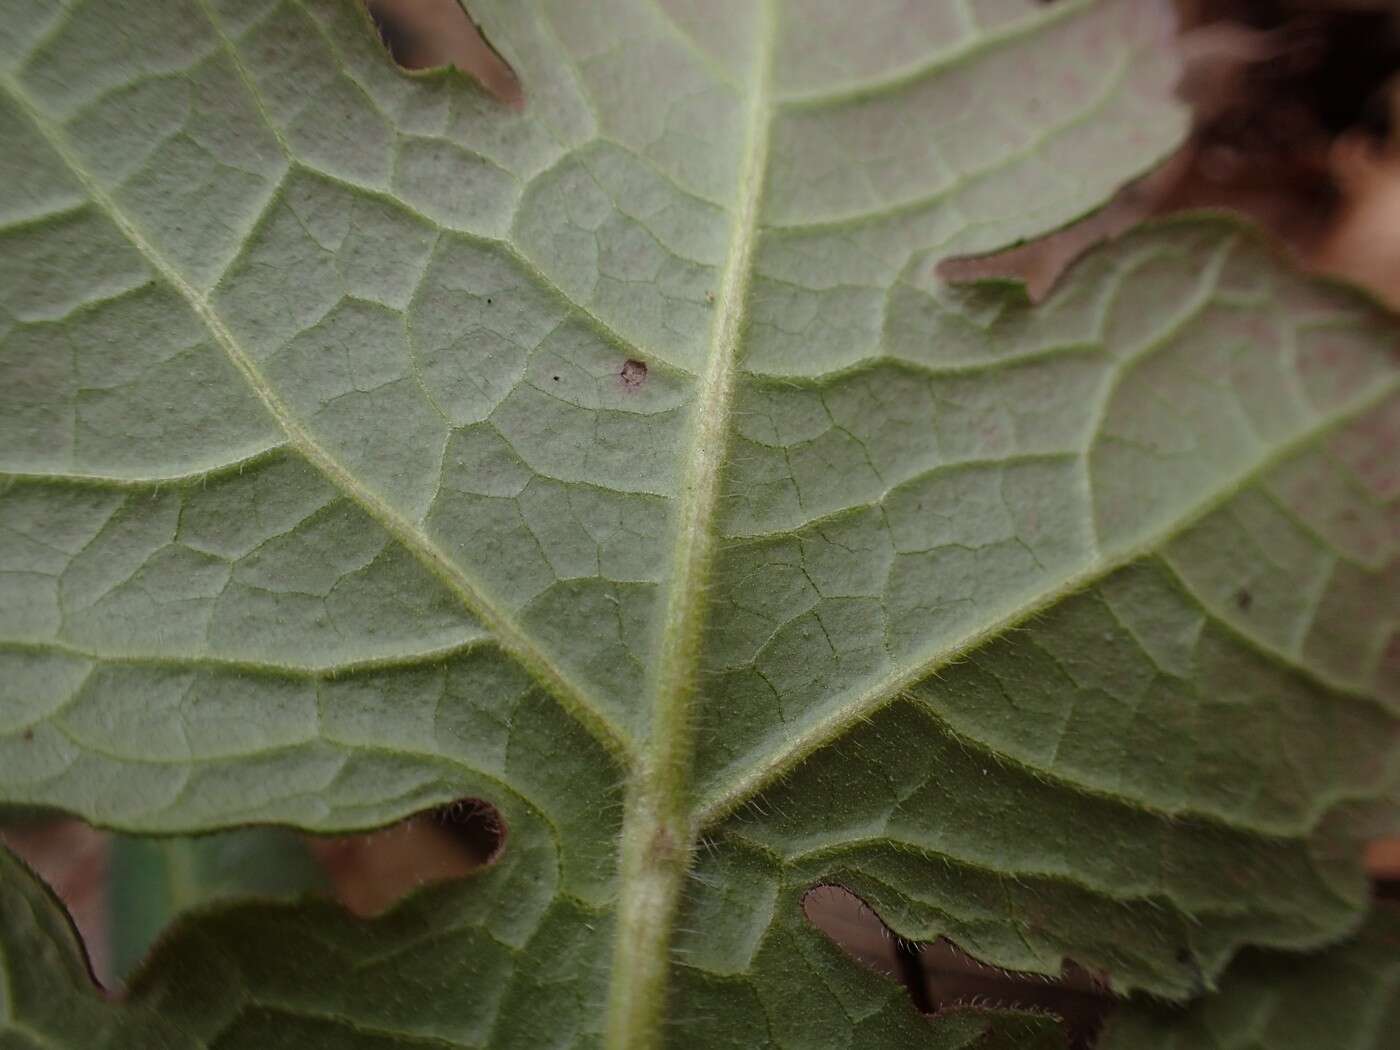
[659,825]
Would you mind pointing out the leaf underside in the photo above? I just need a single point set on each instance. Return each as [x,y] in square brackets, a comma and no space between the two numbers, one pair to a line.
[623,461]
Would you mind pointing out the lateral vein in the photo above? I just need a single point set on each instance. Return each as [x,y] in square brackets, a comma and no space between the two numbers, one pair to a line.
[743,782]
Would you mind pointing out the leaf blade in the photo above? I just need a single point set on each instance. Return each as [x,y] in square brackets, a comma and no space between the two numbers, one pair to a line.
[489,334]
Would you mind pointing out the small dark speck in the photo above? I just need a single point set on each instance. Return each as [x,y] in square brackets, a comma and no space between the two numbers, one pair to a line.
[488,300]
[555,378]
[633,374]
[1243,599]
[28,734]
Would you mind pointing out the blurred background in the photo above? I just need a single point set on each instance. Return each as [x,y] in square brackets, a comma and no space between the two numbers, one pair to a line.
[1297,125]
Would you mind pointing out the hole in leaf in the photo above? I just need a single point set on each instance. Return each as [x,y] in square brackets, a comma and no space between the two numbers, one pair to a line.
[1294,126]
[123,892]
[476,826]
[430,34]
[372,872]
[1040,263]
[941,978]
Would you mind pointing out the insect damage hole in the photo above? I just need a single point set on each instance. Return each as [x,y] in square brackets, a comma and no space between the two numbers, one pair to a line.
[632,374]
[374,871]
[476,826]
[941,978]
[430,34]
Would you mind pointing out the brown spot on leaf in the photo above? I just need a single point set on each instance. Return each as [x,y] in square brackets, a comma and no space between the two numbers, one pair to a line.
[1243,600]
[633,374]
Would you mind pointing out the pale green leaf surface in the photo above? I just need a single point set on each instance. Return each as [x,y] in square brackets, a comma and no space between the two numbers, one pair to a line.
[625,462]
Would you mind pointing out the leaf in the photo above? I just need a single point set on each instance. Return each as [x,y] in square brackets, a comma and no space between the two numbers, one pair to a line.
[154,880]
[1344,997]
[624,462]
